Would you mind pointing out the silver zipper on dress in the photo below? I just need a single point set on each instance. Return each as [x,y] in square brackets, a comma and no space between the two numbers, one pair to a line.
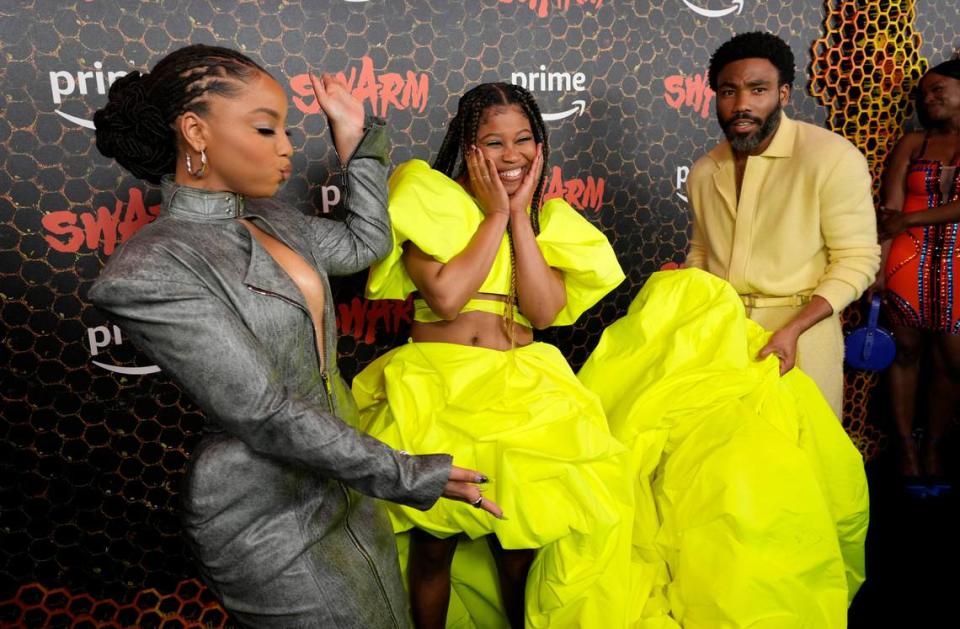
[321,355]
[321,347]
[366,555]
[268,293]
[326,387]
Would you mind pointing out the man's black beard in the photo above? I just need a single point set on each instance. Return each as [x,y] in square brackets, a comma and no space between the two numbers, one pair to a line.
[746,143]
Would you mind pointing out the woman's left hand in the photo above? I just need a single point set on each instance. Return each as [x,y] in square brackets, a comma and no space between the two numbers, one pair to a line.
[343,110]
[521,199]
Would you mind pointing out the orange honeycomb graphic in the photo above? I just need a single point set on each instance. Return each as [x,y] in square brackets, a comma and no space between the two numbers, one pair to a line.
[191,606]
[864,70]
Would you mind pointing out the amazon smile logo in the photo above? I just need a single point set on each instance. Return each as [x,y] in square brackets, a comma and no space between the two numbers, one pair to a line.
[96,81]
[546,81]
[734,6]
[102,336]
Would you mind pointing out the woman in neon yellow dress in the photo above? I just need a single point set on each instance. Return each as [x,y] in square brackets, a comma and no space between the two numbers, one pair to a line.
[487,264]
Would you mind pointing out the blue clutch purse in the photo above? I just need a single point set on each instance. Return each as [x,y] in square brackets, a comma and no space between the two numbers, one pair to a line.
[870,347]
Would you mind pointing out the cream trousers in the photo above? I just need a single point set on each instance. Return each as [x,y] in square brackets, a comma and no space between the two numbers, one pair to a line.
[819,349]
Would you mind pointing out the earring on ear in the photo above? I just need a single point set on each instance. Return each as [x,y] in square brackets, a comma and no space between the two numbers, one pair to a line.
[203,164]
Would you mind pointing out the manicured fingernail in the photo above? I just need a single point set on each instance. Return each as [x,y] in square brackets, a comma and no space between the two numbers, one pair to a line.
[502,517]
[481,478]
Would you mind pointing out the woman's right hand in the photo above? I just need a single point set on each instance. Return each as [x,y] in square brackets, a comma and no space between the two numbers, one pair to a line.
[486,185]
[463,485]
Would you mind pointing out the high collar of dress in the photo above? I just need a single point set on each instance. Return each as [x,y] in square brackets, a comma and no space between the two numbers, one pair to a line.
[195,204]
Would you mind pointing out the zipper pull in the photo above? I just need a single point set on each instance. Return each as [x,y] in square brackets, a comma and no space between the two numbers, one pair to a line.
[328,388]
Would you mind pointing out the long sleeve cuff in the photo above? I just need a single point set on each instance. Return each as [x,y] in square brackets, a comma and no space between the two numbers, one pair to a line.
[838,293]
[375,143]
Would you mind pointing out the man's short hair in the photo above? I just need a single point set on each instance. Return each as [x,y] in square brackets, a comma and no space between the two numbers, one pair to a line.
[755,45]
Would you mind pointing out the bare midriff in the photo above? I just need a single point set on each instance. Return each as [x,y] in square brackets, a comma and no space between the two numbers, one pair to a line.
[477,329]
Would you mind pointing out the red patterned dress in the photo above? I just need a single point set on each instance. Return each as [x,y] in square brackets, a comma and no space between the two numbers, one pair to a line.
[921,266]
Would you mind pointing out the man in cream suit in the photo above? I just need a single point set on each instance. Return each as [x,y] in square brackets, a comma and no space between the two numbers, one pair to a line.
[783,211]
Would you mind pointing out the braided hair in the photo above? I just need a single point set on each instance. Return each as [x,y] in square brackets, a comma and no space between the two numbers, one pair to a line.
[462,134]
[136,126]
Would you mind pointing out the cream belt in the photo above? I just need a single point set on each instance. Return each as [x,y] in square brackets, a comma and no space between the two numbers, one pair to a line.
[753,300]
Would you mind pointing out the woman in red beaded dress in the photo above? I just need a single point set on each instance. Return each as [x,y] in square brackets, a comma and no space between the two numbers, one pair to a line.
[921,195]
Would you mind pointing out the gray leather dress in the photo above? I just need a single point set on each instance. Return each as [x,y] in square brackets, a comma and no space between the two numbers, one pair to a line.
[270,500]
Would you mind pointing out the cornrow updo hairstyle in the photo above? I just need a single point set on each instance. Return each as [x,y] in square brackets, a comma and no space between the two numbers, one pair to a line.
[462,134]
[755,45]
[136,126]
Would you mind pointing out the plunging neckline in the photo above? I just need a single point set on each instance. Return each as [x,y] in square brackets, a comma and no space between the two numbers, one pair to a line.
[304,277]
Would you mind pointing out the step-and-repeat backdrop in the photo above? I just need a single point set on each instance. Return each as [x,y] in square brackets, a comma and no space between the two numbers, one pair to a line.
[95,438]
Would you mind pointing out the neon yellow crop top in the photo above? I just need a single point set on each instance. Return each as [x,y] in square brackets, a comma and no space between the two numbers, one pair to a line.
[435,213]
[423,313]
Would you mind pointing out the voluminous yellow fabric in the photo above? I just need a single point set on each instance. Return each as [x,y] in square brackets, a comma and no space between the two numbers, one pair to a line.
[751,501]
[435,213]
[522,417]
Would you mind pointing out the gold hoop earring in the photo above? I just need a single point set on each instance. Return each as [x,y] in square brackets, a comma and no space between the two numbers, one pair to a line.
[203,164]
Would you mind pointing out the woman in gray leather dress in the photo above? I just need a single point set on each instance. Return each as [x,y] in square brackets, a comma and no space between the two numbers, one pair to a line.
[227,291]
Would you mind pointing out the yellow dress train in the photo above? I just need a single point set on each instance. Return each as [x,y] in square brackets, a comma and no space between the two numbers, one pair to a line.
[751,501]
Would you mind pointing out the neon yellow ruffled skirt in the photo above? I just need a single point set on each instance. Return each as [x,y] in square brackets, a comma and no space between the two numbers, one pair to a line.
[523,418]
[751,501]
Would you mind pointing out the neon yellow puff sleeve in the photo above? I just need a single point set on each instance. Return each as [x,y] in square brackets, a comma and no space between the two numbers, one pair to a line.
[570,243]
[430,210]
